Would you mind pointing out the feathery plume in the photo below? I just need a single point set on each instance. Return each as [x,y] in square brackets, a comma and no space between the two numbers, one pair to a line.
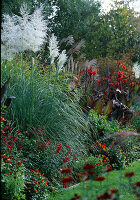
[61,60]
[25,32]
[53,48]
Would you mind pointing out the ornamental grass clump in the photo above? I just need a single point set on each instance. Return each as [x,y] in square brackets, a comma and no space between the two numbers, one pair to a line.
[26,32]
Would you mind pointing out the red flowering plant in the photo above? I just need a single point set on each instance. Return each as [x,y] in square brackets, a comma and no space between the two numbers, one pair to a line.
[10,139]
[111,95]
[46,155]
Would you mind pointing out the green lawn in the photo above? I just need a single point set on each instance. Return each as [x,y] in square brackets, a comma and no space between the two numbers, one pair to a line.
[114,179]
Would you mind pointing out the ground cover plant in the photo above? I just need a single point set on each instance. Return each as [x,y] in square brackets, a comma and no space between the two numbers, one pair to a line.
[69,128]
[122,184]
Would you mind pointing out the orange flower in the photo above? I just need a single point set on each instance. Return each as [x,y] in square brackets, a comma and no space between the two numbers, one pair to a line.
[35,190]
[5,174]
[46,183]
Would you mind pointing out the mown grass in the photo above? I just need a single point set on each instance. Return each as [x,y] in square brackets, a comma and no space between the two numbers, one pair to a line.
[114,179]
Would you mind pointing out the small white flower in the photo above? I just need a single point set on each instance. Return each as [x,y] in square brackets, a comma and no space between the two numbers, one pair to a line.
[61,60]
[53,48]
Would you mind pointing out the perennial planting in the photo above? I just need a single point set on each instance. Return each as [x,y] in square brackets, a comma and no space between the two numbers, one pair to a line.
[68,130]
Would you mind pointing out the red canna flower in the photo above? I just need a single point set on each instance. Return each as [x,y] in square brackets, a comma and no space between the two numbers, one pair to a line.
[11,173]
[81,70]
[131,84]
[95,72]
[117,84]
[124,67]
[98,83]
[119,63]
[65,170]
[129,174]
[3,156]
[15,177]
[124,80]
[88,166]
[100,178]
[5,174]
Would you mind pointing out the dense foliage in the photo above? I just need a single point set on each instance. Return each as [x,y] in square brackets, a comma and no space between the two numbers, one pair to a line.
[67,122]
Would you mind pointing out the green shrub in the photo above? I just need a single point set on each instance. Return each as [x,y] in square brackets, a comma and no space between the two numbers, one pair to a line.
[135,121]
[12,178]
[36,185]
[112,155]
[103,126]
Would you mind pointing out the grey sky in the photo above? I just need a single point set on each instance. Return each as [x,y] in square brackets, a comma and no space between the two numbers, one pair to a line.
[105,5]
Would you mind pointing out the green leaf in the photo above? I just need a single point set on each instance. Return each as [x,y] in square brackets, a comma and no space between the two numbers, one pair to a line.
[108,108]
[98,107]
